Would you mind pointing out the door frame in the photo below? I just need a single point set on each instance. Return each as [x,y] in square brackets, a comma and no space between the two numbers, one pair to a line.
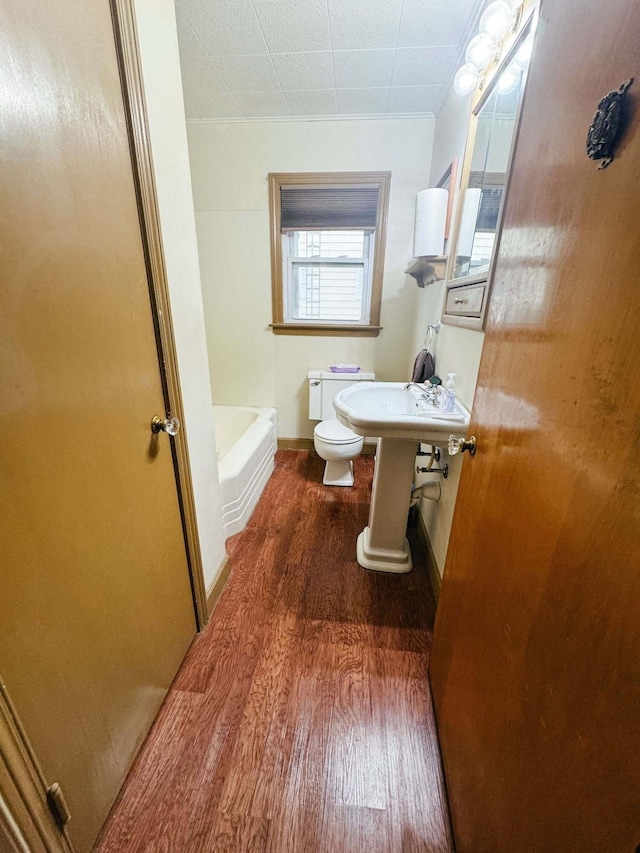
[26,822]
[25,819]
[135,108]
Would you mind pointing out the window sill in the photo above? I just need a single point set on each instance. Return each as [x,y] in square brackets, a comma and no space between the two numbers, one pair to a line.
[326,330]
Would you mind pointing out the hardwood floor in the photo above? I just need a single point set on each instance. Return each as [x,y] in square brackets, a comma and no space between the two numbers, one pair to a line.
[301,719]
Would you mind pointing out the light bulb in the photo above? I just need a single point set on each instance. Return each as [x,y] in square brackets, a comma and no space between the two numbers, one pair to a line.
[466,80]
[508,81]
[523,55]
[496,19]
[479,51]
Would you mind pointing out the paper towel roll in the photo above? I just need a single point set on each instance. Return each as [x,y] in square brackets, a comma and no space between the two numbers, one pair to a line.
[468,222]
[431,218]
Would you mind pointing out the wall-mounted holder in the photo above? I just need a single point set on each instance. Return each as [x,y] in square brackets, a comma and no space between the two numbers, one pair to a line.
[427,270]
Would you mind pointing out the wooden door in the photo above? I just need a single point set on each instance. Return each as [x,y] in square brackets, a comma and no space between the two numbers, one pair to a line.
[96,609]
[536,658]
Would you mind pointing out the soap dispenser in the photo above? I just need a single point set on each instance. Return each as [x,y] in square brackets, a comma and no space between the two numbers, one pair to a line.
[449,401]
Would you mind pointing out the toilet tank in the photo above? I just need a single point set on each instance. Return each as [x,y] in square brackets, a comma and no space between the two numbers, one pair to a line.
[323,387]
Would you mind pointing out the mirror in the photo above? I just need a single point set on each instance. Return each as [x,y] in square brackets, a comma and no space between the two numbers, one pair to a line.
[449,183]
[495,124]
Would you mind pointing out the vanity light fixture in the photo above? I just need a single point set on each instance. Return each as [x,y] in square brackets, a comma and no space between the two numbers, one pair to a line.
[508,81]
[466,79]
[479,51]
[497,20]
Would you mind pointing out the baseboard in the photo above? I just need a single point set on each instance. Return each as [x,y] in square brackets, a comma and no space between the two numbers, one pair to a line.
[432,563]
[215,590]
[295,444]
[307,444]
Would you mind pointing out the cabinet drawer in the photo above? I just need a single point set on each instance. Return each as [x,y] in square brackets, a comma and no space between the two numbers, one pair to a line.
[467,301]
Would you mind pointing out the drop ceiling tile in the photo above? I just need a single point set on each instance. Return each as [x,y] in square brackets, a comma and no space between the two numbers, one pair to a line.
[318,103]
[414,99]
[298,71]
[362,101]
[226,27]
[360,24]
[423,66]
[357,69]
[290,26]
[201,103]
[249,73]
[262,104]
[433,22]
[198,70]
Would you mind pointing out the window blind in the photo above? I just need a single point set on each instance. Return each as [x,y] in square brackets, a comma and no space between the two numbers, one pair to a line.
[307,208]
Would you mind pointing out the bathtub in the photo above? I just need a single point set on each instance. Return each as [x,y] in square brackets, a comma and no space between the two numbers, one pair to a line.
[246,446]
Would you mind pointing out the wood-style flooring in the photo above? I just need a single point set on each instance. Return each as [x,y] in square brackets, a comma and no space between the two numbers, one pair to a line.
[301,718]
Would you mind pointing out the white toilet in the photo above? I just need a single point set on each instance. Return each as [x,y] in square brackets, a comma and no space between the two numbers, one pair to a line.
[335,443]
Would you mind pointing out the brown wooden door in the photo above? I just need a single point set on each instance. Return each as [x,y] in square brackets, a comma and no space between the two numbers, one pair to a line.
[536,658]
[95,606]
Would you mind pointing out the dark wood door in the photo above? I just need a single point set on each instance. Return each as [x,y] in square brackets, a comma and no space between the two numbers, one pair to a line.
[95,600]
[536,659]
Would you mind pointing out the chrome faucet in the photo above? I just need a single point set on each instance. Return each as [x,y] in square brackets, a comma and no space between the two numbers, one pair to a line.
[429,392]
[419,385]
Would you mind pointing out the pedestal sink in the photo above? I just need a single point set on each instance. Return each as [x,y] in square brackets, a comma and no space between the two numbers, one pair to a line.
[401,418]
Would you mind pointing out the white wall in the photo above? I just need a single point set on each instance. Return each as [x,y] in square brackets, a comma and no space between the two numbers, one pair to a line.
[229,166]
[163,89]
[457,350]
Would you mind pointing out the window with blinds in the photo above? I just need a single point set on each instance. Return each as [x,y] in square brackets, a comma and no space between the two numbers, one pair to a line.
[328,251]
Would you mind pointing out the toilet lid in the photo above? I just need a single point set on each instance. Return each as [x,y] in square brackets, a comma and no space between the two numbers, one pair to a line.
[334,432]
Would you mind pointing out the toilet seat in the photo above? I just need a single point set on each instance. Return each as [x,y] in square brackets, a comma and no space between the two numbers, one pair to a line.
[333,432]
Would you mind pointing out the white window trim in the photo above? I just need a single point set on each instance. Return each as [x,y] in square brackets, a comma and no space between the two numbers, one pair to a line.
[320,179]
[365,262]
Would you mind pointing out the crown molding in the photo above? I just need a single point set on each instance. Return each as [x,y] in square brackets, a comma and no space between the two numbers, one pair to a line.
[278,119]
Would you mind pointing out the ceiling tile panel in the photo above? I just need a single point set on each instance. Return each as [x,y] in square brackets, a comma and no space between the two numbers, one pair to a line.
[262,104]
[433,22]
[414,99]
[249,73]
[290,26]
[319,103]
[356,69]
[422,66]
[198,70]
[262,58]
[360,24]
[298,71]
[362,101]
[201,103]
[226,27]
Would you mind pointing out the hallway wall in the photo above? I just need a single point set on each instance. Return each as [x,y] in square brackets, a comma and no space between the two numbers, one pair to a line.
[230,162]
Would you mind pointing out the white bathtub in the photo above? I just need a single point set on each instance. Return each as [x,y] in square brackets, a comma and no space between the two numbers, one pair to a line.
[246,445]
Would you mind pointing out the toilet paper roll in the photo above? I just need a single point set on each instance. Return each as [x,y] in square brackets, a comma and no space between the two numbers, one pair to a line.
[431,218]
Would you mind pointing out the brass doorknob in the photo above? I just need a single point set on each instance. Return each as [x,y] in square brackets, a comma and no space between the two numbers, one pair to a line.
[457,444]
[170,425]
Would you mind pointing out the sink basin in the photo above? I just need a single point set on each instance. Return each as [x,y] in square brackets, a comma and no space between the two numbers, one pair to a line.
[401,419]
[387,410]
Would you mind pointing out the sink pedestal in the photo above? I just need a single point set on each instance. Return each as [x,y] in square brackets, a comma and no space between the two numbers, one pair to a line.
[382,545]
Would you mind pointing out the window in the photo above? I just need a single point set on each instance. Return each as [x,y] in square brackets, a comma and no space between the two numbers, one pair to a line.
[327,250]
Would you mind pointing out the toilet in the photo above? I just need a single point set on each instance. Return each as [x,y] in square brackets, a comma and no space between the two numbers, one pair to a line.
[336,444]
